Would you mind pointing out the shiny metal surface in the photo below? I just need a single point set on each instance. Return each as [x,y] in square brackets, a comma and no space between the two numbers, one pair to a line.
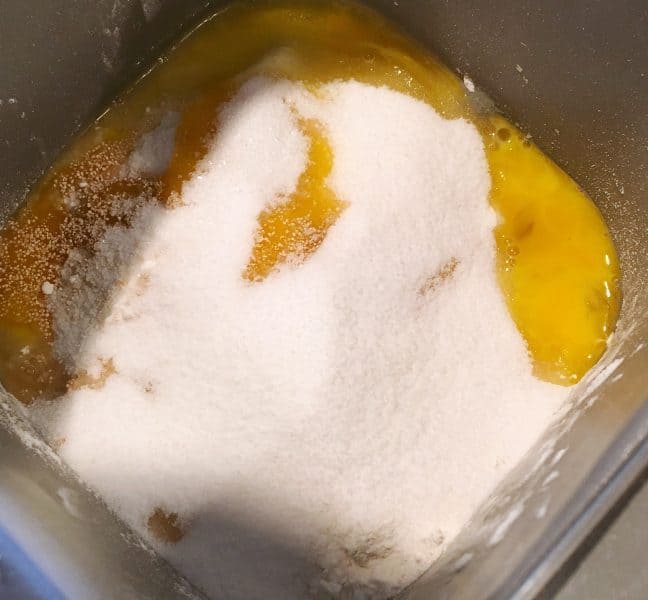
[60,540]
[581,94]
[615,565]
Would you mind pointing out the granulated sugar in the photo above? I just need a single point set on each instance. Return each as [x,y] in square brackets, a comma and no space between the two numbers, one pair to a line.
[333,426]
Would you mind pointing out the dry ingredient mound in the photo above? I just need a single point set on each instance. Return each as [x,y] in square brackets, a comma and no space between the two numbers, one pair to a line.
[330,429]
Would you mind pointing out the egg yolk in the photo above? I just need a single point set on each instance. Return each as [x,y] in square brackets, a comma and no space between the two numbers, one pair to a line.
[294,228]
[557,265]
[556,262]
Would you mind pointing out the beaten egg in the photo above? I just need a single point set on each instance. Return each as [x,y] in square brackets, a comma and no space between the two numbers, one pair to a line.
[557,265]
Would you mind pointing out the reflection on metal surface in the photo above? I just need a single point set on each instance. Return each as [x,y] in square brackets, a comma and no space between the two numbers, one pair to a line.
[584,72]
[20,577]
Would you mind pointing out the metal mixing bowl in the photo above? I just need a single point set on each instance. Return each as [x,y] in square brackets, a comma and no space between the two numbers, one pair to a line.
[574,75]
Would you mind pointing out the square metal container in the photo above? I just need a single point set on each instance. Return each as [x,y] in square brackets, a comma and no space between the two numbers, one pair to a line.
[573,75]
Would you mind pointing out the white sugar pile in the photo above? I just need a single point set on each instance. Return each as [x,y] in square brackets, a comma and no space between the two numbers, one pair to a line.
[337,423]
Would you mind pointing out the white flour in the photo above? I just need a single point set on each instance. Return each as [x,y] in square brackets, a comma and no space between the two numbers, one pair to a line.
[337,423]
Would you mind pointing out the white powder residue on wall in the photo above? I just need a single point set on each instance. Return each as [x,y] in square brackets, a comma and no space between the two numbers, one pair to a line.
[150,8]
[154,149]
[336,424]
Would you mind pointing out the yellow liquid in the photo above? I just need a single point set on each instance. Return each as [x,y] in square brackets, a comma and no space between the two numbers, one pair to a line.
[295,228]
[557,265]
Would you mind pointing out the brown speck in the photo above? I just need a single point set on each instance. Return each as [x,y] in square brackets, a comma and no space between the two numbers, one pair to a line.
[57,444]
[148,388]
[142,283]
[174,200]
[84,379]
[165,526]
[369,550]
[441,276]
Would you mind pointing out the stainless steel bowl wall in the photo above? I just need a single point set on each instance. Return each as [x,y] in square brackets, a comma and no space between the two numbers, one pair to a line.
[573,75]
